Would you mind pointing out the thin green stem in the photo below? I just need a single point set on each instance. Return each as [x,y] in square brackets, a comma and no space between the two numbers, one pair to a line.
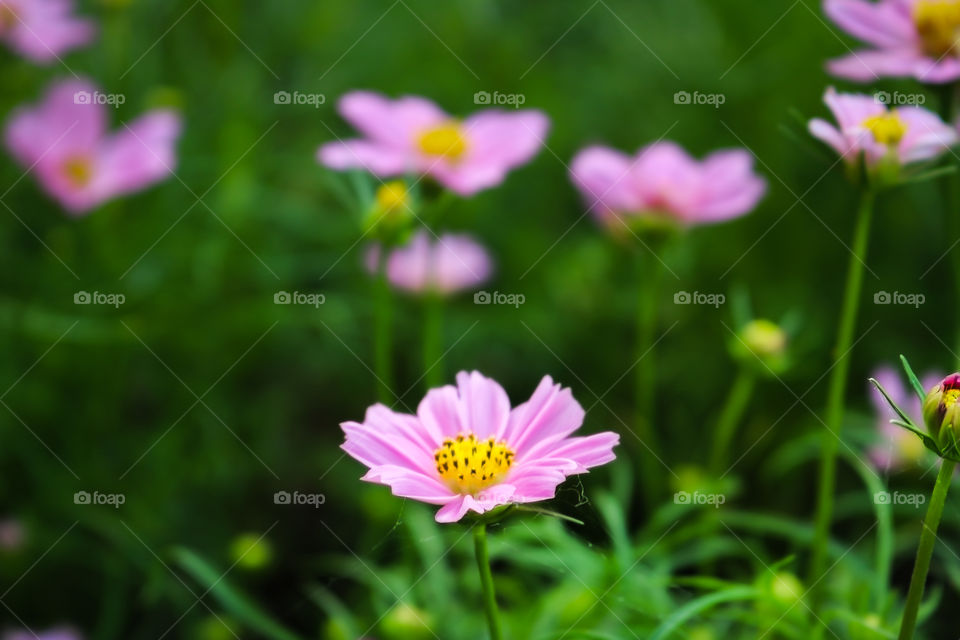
[838,387]
[730,417]
[433,371]
[649,274]
[486,580]
[383,333]
[928,538]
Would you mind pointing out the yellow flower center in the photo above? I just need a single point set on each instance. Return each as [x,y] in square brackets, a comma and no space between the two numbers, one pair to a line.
[78,170]
[950,397]
[392,196]
[469,465]
[446,140]
[886,128]
[938,25]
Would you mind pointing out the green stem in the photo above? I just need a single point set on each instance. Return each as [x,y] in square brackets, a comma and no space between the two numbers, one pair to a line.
[649,274]
[838,386]
[928,538]
[949,187]
[486,580]
[383,336]
[433,371]
[730,417]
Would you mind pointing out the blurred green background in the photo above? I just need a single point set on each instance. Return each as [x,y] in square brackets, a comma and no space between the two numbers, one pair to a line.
[199,397]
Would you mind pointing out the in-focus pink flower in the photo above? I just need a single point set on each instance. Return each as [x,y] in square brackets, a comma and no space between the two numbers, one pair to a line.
[663,183]
[42,30]
[866,126]
[898,449]
[916,38]
[467,450]
[65,144]
[446,264]
[413,135]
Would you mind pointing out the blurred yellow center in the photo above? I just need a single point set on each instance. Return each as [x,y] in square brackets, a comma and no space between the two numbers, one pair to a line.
[886,128]
[950,397]
[938,25]
[392,196]
[447,141]
[468,465]
[765,338]
[78,170]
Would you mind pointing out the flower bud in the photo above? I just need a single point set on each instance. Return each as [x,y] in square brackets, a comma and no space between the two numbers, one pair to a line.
[941,412]
[761,340]
[391,209]
[251,551]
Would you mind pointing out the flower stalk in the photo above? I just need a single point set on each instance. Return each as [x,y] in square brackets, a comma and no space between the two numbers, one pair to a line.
[649,275]
[486,580]
[838,385]
[928,538]
[731,416]
[383,335]
[433,371]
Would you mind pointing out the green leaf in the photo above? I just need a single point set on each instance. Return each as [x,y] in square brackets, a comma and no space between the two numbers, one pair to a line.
[914,382]
[232,600]
[699,605]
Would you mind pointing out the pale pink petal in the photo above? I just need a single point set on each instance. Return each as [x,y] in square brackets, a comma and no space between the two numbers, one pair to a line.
[406,483]
[870,66]
[533,483]
[393,123]
[440,414]
[604,178]
[551,413]
[503,139]
[668,178]
[943,70]
[459,263]
[851,109]
[138,155]
[44,30]
[883,23]
[586,452]
[387,437]
[486,407]
[927,135]
[823,130]
[729,187]
[408,267]
[454,510]
[378,159]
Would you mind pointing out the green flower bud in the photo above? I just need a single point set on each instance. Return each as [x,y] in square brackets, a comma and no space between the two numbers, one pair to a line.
[407,623]
[390,211]
[251,551]
[761,344]
[941,411]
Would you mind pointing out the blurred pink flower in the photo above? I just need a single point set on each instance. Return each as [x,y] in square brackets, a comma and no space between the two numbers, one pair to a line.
[864,125]
[12,534]
[59,633]
[916,38]
[467,450]
[447,264]
[41,30]
[663,182]
[64,142]
[899,449]
[413,135]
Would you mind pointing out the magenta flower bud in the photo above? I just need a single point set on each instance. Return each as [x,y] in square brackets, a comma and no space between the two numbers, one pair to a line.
[941,412]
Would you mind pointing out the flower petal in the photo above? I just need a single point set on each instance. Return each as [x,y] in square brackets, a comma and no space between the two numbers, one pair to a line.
[884,24]
[551,413]
[392,123]
[486,407]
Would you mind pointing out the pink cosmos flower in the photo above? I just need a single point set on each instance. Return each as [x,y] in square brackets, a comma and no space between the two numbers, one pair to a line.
[41,30]
[899,449]
[445,265]
[864,125]
[662,182]
[64,142]
[413,135]
[467,450]
[915,38]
